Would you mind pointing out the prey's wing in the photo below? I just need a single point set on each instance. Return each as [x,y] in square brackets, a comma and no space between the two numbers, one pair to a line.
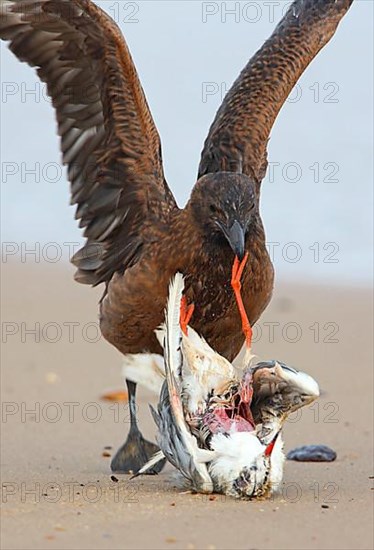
[278,390]
[205,372]
[238,137]
[174,436]
[176,441]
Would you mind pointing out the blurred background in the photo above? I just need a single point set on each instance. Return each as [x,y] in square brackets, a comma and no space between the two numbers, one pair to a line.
[317,195]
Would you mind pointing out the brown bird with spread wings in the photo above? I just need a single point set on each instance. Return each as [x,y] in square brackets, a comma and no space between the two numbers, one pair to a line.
[137,237]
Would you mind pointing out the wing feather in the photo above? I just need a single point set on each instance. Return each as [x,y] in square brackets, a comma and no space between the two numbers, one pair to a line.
[175,439]
[108,138]
[238,137]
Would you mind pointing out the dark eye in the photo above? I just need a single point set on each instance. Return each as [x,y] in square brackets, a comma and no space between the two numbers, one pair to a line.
[212,208]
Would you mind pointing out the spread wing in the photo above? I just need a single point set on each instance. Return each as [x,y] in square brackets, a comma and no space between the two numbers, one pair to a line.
[108,138]
[174,436]
[238,137]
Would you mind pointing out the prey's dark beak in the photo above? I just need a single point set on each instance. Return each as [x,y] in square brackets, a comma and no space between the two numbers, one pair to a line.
[236,238]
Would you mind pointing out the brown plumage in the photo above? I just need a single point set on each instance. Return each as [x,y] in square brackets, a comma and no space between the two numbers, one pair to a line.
[137,237]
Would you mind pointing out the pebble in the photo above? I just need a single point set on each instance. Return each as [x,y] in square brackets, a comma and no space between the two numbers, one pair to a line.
[312,453]
[52,378]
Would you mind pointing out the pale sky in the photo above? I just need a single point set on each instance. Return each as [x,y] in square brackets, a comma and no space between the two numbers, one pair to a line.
[318,190]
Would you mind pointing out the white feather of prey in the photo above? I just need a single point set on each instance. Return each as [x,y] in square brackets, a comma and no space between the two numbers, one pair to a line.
[148,369]
[203,429]
[172,331]
[196,457]
[225,470]
[234,453]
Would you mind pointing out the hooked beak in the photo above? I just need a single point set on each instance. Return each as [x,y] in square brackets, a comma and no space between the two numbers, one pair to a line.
[235,236]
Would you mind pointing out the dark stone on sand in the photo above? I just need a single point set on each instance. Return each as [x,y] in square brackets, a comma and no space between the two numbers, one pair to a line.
[312,453]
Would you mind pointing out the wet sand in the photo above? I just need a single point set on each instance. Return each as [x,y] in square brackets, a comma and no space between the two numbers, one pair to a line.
[57,487]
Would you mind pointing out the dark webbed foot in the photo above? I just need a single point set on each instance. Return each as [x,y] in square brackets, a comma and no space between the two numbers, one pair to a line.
[134,453]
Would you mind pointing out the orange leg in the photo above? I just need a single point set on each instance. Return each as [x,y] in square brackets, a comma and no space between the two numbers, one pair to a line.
[185,314]
[237,271]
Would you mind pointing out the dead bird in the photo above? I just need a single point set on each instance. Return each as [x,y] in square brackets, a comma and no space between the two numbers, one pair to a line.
[220,426]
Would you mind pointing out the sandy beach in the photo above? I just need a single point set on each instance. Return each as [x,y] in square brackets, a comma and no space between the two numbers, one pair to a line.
[57,487]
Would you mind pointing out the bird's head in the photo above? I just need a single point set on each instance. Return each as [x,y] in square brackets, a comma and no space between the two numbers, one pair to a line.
[244,467]
[224,206]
